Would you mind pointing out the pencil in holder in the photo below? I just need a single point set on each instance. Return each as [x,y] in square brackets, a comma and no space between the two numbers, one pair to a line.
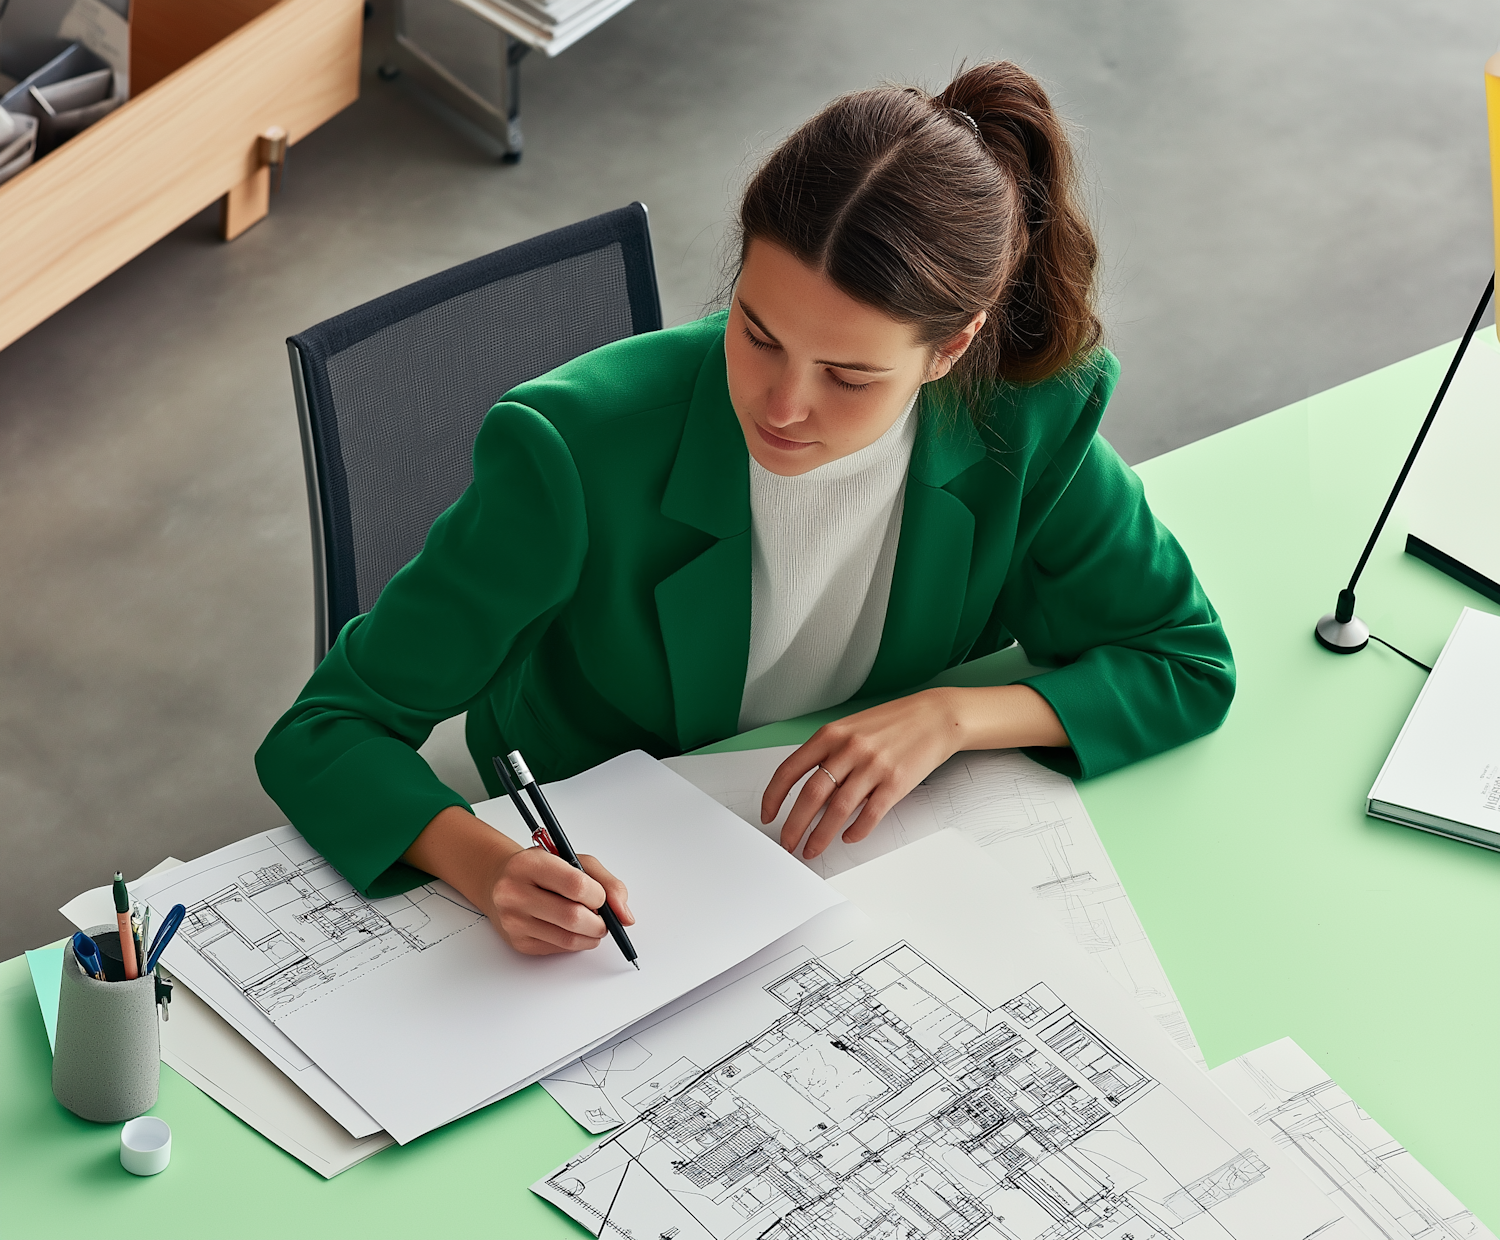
[106,1065]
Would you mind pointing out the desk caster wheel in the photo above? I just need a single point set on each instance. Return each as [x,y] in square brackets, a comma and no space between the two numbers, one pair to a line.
[511,157]
[388,73]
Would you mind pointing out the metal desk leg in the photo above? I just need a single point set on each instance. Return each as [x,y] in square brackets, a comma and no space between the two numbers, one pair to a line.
[500,117]
[515,53]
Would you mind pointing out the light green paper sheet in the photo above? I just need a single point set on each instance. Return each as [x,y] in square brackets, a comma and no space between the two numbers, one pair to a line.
[46,975]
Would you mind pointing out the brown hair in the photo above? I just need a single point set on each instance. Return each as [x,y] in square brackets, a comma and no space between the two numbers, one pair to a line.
[933,208]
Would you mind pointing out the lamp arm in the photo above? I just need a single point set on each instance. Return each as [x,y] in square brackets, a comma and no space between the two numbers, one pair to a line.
[1411,457]
[1341,631]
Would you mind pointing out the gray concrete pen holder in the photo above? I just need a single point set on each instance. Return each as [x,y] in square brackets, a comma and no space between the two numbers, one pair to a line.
[106,1065]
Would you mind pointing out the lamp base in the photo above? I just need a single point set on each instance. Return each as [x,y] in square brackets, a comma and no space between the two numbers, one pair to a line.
[1348,638]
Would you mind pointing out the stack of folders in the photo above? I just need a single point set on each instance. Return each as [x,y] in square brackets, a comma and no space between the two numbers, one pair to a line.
[57,80]
[17,143]
[1443,773]
[550,25]
[329,989]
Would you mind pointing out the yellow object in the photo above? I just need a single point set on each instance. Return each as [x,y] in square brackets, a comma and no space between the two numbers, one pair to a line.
[1492,106]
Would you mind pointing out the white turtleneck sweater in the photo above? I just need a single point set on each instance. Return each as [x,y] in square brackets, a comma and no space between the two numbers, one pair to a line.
[823,546]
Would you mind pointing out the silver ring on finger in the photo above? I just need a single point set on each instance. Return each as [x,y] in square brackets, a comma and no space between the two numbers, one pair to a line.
[836,780]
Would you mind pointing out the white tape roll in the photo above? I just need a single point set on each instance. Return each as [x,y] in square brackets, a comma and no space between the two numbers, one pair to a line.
[145,1145]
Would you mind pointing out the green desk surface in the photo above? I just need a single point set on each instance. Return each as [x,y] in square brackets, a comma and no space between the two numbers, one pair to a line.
[1277,907]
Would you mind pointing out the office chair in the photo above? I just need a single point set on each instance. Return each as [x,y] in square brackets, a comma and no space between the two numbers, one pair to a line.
[390,394]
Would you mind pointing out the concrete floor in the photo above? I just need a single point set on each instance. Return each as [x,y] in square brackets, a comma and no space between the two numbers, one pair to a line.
[1289,193]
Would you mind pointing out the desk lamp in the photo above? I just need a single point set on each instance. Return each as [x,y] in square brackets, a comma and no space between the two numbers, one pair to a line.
[1341,631]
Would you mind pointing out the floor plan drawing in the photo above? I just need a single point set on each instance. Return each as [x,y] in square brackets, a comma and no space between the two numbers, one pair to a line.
[603,1089]
[1355,1162]
[1029,818]
[885,1101]
[287,928]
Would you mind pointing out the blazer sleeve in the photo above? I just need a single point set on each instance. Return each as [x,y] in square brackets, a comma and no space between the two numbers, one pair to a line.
[495,569]
[1106,595]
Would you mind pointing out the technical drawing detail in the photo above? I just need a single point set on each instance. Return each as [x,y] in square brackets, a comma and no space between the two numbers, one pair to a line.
[889,1103]
[290,928]
[1351,1158]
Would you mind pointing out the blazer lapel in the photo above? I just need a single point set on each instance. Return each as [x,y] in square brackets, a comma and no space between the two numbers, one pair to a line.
[704,607]
[931,575]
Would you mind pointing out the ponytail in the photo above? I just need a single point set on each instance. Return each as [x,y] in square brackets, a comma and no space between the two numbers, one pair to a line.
[1045,317]
[935,208]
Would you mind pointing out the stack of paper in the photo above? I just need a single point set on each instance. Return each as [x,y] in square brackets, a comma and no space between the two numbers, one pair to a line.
[949,1065]
[335,990]
[550,25]
[935,1055]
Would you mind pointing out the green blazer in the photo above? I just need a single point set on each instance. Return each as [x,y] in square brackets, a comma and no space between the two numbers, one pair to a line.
[590,593]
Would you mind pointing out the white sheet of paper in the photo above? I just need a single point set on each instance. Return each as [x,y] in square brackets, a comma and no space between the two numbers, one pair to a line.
[1028,818]
[97,907]
[961,1064]
[417,1009]
[204,1048]
[1355,1162]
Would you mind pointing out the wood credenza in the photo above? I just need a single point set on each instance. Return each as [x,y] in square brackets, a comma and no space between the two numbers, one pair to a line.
[207,77]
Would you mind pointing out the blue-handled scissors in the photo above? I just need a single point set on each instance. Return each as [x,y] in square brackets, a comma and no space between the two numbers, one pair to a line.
[169,925]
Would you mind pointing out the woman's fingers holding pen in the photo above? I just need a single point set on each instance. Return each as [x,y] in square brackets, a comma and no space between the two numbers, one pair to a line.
[614,889]
[543,905]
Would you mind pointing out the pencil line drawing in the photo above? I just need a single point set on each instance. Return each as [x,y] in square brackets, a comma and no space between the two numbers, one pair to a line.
[287,929]
[1351,1158]
[1034,822]
[888,1102]
[1029,818]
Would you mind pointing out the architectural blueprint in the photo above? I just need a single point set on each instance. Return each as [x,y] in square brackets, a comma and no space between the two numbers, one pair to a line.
[952,1072]
[242,1015]
[287,929]
[358,985]
[610,1085]
[1357,1164]
[1029,818]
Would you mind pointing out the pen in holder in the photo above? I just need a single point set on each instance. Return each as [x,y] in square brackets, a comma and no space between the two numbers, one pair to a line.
[106,1065]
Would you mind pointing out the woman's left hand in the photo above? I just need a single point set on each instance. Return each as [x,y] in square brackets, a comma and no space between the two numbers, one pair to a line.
[877,756]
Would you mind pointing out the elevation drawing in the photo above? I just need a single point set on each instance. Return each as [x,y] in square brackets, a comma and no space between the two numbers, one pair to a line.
[1355,1162]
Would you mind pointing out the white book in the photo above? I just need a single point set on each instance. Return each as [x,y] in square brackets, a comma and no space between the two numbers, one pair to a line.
[1443,773]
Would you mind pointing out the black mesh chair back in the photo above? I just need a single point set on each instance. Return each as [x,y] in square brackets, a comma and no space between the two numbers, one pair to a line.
[390,395]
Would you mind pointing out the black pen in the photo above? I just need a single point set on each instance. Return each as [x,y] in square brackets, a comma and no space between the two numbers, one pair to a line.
[559,841]
[539,835]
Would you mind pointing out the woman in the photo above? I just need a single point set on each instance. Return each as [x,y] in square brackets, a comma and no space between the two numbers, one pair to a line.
[881,461]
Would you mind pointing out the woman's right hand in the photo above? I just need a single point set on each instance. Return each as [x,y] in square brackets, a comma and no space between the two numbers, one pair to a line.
[539,903]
